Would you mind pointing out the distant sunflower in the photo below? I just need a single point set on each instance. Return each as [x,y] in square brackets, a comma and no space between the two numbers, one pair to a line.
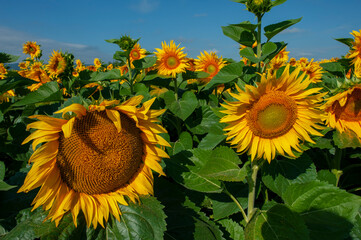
[355,52]
[56,65]
[32,49]
[92,161]
[171,59]
[344,111]
[274,116]
[38,74]
[97,63]
[209,63]
[3,71]
[136,53]
[5,97]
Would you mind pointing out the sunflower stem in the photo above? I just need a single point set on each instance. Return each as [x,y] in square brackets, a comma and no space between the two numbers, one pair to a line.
[259,43]
[336,168]
[252,190]
[175,89]
[237,203]
[130,76]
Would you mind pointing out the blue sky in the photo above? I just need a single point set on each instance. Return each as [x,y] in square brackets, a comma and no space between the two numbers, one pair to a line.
[80,27]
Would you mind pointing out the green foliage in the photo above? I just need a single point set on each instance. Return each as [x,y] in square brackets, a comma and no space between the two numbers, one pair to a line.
[272,30]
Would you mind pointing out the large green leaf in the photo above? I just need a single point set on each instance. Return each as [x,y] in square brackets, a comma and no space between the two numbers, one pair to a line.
[356,231]
[346,41]
[277,223]
[48,92]
[8,58]
[234,230]
[214,136]
[102,76]
[223,165]
[271,30]
[249,53]
[328,211]
[241,33]
[139,221]
[267,49]
[183,107]
[332,67]
[184,142]
[227,74]
[281,173]
[185,167]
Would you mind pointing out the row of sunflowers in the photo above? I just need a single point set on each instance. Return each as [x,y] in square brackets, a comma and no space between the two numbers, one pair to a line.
[158,145]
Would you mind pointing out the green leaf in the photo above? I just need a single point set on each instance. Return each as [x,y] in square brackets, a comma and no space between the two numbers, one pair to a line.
[144,62]
[183,107]
[271,30]
[7,58]
[282,173]
[185,142]
[139,221]
[332,67]
[202,120]
[327,176]
[356,231]
[279,222]
[267,49]
[249,54]
[227,74]
[223,165]
[346,139]
[241,33]
[234,230]
[185,167]
[4,186]
[48,92]
[347,41]
[108,75]
[327,210]
[214,137]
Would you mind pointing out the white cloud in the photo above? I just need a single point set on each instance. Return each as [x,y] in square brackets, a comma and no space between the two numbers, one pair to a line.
[11,42]
[145,6]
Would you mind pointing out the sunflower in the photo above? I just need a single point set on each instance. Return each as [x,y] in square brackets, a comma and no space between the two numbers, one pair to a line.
[279,60]
[32,49]
[136,53]
[5,97]
[209,63]
[272,117]
[97,63]
[355,52]
[38,74]
[344,111]
[91,159]
[56,65]
[3,71]
[171,59]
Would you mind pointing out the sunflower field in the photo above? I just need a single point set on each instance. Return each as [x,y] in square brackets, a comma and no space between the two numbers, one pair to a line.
[157,145]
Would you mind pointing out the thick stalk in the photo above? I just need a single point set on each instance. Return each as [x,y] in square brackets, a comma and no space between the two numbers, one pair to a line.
[259,41]
[130,76]
[252,189]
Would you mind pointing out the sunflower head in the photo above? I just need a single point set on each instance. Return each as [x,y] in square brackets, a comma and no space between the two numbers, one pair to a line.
[258,7]
[209,63]
[3,71]
[274,116]
[57,64]
[91,159]
[355,52]
[170,59]
[344,111]
[32,49]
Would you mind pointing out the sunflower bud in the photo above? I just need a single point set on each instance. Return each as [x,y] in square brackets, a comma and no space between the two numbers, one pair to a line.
[126,43]
[258,7]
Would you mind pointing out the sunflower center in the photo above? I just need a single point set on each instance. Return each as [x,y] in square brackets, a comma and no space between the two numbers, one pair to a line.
[272,115]
[97,159]
[211,69]
[135,54]
[352,109]
[172,62]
